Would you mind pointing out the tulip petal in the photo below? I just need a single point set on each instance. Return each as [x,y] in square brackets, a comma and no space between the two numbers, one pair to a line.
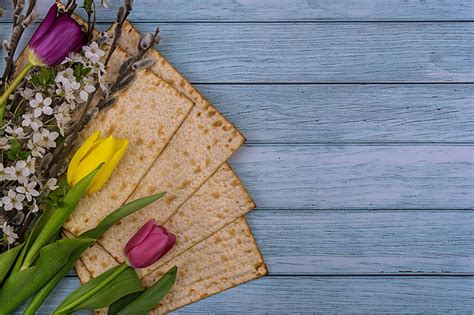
[140,236]
[46,24]
[148,245]
[171,242]
[101,153]
[64,36]
[80,153]
[120,146]
[148,252]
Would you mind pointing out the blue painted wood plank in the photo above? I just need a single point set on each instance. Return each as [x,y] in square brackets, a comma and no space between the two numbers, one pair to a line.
[287,10]
[315,52]
[318,52]
[284,295]
[347,113]
[364,242]
[302,176]
[358,176]
[368,242]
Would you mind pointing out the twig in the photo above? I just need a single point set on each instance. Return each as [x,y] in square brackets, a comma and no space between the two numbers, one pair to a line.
[127,72]
[122,16]
[20,23]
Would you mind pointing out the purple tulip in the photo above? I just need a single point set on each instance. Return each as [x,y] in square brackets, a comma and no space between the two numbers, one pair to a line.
[55,38]
[148,245]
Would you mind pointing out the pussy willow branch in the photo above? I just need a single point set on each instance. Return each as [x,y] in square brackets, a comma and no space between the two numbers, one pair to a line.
[91,19]
[20,23]
[122,16]
[126,75]
[127,72]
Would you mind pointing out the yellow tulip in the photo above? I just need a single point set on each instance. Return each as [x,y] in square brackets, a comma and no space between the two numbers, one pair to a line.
[90,155]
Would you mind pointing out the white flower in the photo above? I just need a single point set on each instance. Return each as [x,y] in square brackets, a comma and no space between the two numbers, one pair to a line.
[35,207]
[93,52]
[17,133]
[9,232]
[3,174]
[65,109]
[68,94]
[27,93]
[62,123]
[99,68]
[41,105]
[28,190]
[6,172]
[75,58]
[45,138]
[32,121]
[51,184]
[104,86]
[31,164]
[13,201]
[67,79]
[4,145]
[10,173]
[88,89]
[63,117]
[22,172]
[36,151]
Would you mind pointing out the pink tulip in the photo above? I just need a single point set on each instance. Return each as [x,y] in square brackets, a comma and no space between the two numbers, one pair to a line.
[148,245]
[56,37]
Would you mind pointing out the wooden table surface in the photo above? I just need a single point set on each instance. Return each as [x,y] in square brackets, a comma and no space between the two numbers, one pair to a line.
[360,155]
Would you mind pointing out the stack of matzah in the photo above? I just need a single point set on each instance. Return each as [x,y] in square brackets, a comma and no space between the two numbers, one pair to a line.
[179,143]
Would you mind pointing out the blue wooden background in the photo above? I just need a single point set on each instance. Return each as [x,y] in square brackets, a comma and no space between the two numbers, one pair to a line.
[360,154]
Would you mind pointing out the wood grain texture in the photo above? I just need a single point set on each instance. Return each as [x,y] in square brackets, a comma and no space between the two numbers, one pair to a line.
[347,113]
[284,295]
[344,295]
[350,242]
[365,242]
[355,242]
[287,10]
[358,176]
[284,72]
[318,52]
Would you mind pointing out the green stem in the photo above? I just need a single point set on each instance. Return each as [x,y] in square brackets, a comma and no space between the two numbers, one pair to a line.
[94,290]
[44,292]
[58,218]
[10,89]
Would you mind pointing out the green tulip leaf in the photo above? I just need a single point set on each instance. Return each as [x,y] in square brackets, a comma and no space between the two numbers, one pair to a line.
[7,259]
[22,284]
[152,296]
[38,227]
[102,291]
[120,213]
[95,233]
[123,302]
[57,195]
[58,217]
[43,293]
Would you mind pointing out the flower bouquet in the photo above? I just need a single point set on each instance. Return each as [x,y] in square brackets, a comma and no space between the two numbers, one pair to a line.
[160,135]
